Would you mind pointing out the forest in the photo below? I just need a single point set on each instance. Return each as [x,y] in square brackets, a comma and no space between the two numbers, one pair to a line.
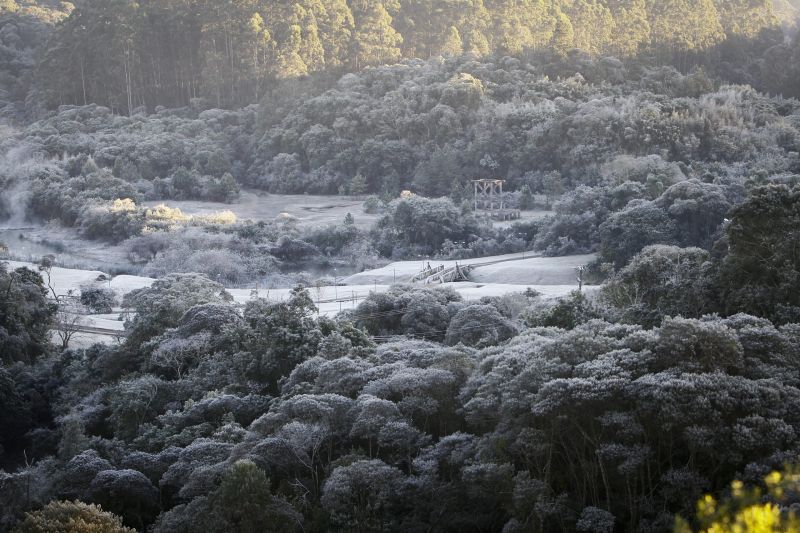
[660,136]
[128,54]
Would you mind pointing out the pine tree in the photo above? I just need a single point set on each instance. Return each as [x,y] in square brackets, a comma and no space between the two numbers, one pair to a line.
[290,62]
[631,27]
[593,26]
[311,49]
[375,41]
[682,26]
[477,43]
[564,35]
[243,502]
[746,18]
[358,185]
[336,25]
[452,43]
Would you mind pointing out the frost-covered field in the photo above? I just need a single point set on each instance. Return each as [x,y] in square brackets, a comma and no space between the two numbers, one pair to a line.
[308,210]
[512,269]
[257,206]
[66,244]
[496,276]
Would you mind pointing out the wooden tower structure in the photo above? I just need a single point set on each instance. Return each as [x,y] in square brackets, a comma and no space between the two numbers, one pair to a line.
[489,197]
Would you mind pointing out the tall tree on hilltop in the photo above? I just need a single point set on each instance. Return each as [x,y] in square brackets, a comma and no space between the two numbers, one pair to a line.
[375,40]
[631,27]
[336,24]
[593,25]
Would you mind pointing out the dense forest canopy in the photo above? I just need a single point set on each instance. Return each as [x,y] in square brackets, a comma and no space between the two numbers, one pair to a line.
[127,54]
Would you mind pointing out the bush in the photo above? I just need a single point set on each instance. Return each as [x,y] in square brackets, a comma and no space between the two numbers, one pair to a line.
[566,313]
[25,315]
[333,239]
[373,205]
[479,326]
[661,281]
[98,299]
[112,221]
[71,517]
[422,225]
[407,310]
[294,250]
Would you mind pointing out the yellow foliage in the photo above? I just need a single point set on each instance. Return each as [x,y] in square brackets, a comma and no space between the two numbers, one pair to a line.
[748,510]
[123,205]
[167,214]
[71,517]
[222,218]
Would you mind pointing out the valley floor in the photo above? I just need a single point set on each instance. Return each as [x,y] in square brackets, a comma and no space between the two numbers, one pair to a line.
[552,277]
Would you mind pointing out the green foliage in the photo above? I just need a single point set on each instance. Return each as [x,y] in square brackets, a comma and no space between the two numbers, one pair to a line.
[71,517]
[662,281]
[243,502]
[628,231]
[360,496]
[235,52]
[758,271]
[212,418]
[418,225]
[358,185]
[527,200]
[479,326]
[409,310]
[25,315]
[16,416]
[280,336]
[98,299]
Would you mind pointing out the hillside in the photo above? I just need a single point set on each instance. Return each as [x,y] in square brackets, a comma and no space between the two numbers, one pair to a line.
[236,52]
[248,283]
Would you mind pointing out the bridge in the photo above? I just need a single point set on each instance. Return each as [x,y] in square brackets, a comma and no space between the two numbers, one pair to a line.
[442,274]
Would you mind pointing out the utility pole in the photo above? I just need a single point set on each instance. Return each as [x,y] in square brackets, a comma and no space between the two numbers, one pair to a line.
[580,271]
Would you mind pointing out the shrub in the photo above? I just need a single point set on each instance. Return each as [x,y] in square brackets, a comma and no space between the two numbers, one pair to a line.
[373,205]
[113,221]
[422,225]
[566,313]
[661,281]
[479,326]
[71,517]
[98,299]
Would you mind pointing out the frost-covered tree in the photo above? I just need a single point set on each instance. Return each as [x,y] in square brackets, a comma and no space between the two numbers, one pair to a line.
[662,281]
[363,496]
[163,304]
[479,326]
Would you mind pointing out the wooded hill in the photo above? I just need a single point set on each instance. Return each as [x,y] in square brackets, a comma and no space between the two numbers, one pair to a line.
[125,53]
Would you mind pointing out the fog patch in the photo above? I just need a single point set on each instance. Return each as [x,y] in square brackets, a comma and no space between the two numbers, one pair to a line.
[19,165]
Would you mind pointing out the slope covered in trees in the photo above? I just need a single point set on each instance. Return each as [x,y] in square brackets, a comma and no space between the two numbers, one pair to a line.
[512,414]
[630,156]
[665,136]
[125,54]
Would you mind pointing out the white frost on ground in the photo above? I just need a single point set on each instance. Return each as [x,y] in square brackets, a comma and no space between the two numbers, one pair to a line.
[514,269]
[309,210]
[66,279]
[534,271]
[499,275]
[258,205]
